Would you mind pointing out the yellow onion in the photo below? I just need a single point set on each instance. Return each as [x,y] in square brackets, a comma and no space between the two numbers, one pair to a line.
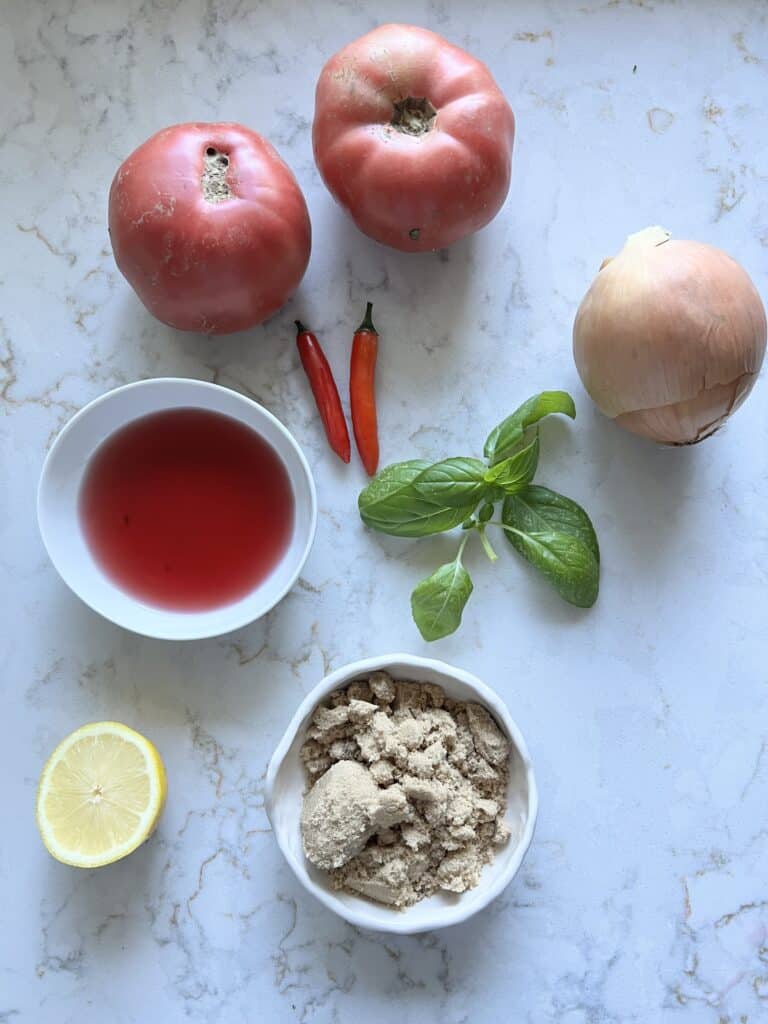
[669,339]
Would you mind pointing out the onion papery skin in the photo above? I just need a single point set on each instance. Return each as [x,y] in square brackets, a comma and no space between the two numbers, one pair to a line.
[670,338]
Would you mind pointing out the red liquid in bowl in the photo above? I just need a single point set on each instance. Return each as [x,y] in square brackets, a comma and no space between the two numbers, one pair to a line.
[186,509]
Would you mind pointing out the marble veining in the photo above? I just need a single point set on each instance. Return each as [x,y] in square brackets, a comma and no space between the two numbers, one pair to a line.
[644,896]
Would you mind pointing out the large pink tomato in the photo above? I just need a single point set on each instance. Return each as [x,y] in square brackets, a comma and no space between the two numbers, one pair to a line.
[413,137]
[209,227]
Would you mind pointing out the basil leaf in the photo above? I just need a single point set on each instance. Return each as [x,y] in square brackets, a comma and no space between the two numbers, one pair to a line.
[504,438]
[557,537]
[537,509]
[453,482]
[391,504]
[438,601]
[389,483]
[564,560]
[514,473]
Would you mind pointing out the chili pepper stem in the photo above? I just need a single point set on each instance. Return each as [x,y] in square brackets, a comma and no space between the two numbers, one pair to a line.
[367,324]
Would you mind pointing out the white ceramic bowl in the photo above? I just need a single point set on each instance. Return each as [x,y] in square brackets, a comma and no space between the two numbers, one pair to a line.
[286,783]
[57,507]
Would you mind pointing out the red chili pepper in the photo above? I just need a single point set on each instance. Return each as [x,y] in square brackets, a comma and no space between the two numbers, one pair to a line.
[362,391]
[324,389]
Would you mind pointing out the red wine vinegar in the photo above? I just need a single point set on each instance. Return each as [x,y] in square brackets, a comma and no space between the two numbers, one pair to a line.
[186,509]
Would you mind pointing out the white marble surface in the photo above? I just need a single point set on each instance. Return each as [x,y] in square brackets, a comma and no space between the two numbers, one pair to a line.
[645,896]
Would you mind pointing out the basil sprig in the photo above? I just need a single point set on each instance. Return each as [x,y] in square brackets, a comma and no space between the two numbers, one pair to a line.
[551,532]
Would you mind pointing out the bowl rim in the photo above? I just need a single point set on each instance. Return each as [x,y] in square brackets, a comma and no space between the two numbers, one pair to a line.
[453,914]
[194,384]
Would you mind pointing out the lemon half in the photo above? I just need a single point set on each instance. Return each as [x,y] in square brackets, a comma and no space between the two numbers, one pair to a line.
[100,795]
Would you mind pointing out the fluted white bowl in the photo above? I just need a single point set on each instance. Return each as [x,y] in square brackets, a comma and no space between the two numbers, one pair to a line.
[286,785]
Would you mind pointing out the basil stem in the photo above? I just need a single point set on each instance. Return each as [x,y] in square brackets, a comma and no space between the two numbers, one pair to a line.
[487,548]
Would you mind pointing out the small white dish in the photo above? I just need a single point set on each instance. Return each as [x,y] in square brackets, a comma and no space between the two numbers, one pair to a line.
[60,527]
[286,784]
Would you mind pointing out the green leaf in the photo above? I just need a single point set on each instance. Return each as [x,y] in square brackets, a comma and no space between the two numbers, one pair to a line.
[389,482]
[392,504]
[438,601]
[504,438]
[454,482]
[537,509]
[514,473]
[556,536]
[564,560]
